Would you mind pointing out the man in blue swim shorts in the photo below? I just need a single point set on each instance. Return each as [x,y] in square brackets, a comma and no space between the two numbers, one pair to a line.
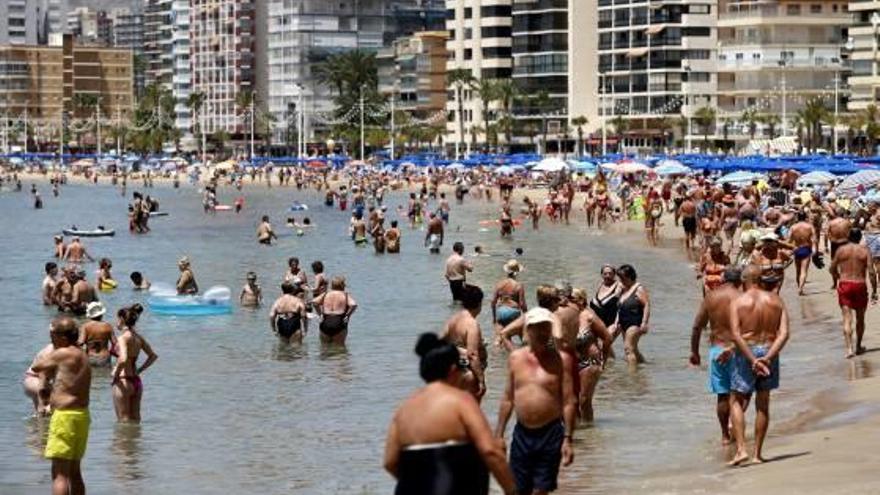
[759,328]
[804,237]
[715,311]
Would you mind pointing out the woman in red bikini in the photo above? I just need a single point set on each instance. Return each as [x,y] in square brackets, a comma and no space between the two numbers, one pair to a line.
[127,386]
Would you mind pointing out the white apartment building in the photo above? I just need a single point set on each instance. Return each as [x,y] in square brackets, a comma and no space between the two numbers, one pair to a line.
[656,60]
[480,41]
[555,50]
[864,81]
[297,35]
[18,22]
[166,51]
[775,55]
[221,35]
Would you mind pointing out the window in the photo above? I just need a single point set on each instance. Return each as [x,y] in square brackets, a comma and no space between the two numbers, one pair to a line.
[793,9]
[739,56]
[697,77]
[756,56]
[498,73]
[497,52]
[468,33]
[468,53]
[495,32]
[699,9]
[495,11]
[468,12]
[698,54]
[696,31]
[816,8]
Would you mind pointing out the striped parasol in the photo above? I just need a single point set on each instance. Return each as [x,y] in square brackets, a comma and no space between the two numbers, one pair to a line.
[865,179]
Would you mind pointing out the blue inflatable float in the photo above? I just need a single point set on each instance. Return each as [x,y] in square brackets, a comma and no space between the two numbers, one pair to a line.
[215,301]
[299,207]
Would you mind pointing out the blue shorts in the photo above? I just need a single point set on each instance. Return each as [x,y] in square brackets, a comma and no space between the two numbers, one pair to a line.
[535,456]
[803,252]
[744,381]
[505,315]
[719,373]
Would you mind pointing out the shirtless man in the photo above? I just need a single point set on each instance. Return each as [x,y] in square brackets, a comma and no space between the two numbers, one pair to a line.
[456,270]
[265,234]
[82,294]
[69,400]
[434,234]
[49,282]
[251,294]
[463,331]
[392,238]
[805,240]
[688,211]
[759,329]
[715,310]
[359,230]
[186,282]
[97,336]
[534,213]
[848,267]
[565,334]
[837,236]
[540,391]
[287,317]
[443,208]
[76,252]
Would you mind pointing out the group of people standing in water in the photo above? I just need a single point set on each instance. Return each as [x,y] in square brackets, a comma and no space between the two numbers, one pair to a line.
[439,442]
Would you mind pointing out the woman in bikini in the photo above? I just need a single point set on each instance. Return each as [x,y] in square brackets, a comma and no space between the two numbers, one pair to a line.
[127,386]
[712,266]
[335,307]
[633,314]
[509,301]
[772,259]
[592,345]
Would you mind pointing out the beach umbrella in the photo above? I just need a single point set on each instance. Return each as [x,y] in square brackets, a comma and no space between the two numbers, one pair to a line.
[817,178]
[583,167]
[865,179]
[739,178]
[673,168]
[628,167]
[456,166]
[504,170]
[550,164]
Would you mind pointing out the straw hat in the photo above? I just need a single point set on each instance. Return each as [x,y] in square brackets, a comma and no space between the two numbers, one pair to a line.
[512,267]
[184,261]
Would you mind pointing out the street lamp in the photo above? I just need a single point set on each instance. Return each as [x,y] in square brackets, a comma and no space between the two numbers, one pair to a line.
[687,106]
[783,63]
[601,92]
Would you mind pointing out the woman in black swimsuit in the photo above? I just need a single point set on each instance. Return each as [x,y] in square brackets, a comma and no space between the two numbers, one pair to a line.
[288,314]
[439,442]
[633,313]
[335,308]
[607,297]
[592,345]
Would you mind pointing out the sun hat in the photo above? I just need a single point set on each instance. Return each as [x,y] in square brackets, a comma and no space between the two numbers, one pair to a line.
[95,309]
[512,267]
[536,316]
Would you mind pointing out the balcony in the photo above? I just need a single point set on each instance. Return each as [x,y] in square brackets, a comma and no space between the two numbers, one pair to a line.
[756,15]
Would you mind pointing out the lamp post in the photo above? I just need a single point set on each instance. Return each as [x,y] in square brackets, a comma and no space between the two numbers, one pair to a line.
[363,147]
[783,62]
[253,100]
[687,110]
[393,97]
[602,108]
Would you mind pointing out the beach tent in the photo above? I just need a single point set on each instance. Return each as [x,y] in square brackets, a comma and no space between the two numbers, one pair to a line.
[817,178]
[550,164]
[865,179]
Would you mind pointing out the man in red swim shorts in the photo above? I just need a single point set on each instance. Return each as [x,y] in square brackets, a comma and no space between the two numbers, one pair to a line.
[850,265]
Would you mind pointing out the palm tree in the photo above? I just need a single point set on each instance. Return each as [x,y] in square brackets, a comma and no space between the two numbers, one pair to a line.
[705,119]
[195,101]
[488,92]
[871,127]
[664,125]
[620,125]
[541,101]
[771,120]
[459,79]
[750,118]
[683,127]
[506,93]
[813,114]
[579,122]
[220,138]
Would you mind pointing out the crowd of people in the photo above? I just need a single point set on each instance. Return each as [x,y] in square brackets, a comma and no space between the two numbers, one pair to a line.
[742,241]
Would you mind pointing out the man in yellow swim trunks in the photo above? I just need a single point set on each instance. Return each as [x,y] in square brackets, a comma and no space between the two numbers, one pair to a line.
[68,367]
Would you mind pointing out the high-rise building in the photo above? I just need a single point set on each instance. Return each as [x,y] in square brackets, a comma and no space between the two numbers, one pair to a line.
[40,81]
[222,41]
[480,43]
[128,32]
[294,36]
[166,54]
[864,82]
[656,60]
[90,26]
[412,71]
[775,55]
[554,51]
[18,22]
